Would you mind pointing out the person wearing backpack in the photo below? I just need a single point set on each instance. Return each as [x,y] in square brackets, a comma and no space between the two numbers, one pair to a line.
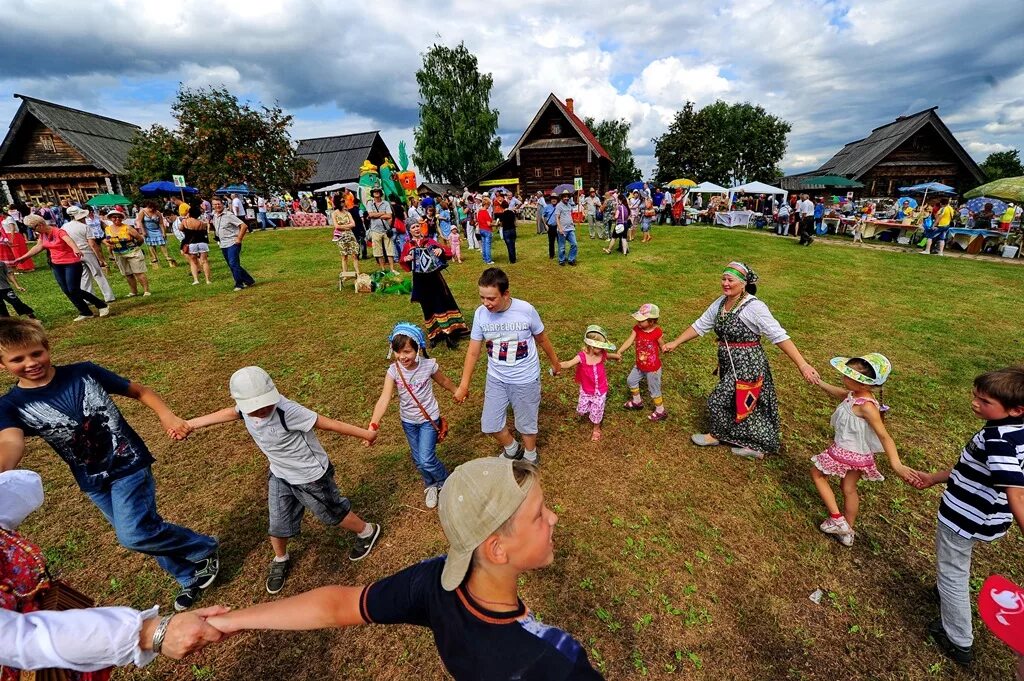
[301,474]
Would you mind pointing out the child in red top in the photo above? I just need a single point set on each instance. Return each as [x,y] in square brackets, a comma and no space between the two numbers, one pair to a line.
[647,335]
[483,225]
[591,376]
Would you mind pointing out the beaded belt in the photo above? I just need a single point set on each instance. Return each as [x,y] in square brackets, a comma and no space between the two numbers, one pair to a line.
[753,344]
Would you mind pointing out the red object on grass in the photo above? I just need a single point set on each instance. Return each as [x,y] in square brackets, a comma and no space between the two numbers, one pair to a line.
[1001,606]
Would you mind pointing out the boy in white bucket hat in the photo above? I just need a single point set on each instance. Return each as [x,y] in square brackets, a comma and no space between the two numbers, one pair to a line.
[301,474]
[498,527]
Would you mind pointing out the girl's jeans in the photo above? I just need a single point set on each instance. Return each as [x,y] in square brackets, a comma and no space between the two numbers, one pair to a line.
[422,439]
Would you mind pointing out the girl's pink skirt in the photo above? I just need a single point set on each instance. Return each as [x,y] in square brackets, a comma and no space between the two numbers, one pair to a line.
[838,462]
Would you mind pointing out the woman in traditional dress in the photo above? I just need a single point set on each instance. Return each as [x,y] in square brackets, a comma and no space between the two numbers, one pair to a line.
[743,408]
[15,240]
[441,315]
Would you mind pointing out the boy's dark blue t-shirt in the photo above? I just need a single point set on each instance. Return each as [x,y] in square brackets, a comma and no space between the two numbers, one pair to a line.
[473,642]
[76,416]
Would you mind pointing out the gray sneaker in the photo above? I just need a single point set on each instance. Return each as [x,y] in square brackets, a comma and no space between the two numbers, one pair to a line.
[363,546]
[431,494]
[278,573]
[517,455]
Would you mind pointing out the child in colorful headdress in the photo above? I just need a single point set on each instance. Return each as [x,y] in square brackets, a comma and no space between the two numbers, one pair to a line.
[413,375]
[590,375]
[859,435]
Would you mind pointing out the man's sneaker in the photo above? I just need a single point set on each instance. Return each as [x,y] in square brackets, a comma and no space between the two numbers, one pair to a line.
[237,288]
[104,311]
[517,455]
[82,318]
[431,493]
[278,573]
[186,598]
[207,570]
[962,656]
[363,546]
[837,526]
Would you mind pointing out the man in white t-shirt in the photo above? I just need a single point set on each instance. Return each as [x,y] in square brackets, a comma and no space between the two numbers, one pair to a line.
[236,206]
[510,330]
[806,208]
[301,474]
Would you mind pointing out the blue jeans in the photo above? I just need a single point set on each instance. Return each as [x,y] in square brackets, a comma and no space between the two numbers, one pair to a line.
[69,279]
[264,221]
[233,255]
[485,245]
[129,504]
[570,236]
[423,442]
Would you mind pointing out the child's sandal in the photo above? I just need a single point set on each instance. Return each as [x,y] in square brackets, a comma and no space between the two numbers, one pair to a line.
[658,415]
[633,406]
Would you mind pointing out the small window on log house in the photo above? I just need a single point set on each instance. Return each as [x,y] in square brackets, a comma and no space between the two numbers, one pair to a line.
[47,141]
[577,171]
[538,172]
[557,171]
[556,128]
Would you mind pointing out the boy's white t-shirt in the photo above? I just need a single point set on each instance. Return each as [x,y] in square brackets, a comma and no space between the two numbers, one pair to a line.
[508,341]
[420,381]
[293,449]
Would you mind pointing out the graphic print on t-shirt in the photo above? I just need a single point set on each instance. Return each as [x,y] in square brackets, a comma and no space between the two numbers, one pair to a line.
[503,345]
[84,426]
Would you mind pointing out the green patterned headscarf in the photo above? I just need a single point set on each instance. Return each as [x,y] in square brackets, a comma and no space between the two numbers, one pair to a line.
[741,271]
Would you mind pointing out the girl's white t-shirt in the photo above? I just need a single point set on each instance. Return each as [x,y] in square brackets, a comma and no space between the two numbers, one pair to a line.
[421,382]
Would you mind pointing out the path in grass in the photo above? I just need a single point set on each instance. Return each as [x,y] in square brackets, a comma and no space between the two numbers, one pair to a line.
[670,560]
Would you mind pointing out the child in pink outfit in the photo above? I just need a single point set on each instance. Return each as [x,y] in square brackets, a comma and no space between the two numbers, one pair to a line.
[590,375]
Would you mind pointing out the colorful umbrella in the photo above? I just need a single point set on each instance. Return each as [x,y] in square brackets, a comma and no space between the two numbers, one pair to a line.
[977,204]
[1007,189]
[682,182]
[564,188]
[108,200]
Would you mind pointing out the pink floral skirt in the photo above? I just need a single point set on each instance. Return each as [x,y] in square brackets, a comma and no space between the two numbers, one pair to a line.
[838,462]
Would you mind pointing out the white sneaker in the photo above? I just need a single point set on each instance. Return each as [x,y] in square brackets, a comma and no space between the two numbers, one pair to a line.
[431,493]
[146,293]
[748,453]
[837,526]
[237,288]
[104,311]
[81,317]
[847,539]
[535,459]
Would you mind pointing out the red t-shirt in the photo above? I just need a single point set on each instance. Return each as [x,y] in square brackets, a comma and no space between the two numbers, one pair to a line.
[483,221]
[648,352]
[60,252]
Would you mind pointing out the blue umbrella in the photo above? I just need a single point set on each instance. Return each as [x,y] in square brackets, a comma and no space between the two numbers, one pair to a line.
[929,188]
[912,200]
[638,185]
[165,187]
[234,189]
[977,205]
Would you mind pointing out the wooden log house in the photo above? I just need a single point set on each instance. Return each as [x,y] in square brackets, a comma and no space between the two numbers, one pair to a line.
[555,148]
[52,152]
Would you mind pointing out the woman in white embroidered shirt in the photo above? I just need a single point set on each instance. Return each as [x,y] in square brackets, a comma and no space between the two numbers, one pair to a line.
[743,408]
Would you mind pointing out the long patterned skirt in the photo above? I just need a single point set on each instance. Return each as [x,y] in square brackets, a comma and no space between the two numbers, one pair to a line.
[760,430]
[441,314]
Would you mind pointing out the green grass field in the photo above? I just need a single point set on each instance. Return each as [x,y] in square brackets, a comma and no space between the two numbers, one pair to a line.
[671,560]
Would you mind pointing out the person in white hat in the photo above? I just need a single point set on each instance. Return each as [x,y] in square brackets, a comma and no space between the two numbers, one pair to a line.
[124,242]
[92,271]
[301,473]
[498,526]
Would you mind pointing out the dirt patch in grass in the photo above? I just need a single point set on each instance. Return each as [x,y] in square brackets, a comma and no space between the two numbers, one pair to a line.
[671,560]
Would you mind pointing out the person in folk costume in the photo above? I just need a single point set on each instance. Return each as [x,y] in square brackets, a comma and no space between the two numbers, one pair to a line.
[426,259]
[743,408]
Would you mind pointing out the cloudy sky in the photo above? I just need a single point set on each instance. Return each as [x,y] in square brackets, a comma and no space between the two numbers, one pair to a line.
[833,69]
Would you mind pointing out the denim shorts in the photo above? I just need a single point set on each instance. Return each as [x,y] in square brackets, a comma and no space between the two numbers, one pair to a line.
[289,502]
[523,398]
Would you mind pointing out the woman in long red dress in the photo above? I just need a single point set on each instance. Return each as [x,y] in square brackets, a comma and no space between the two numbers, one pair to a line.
[13,244]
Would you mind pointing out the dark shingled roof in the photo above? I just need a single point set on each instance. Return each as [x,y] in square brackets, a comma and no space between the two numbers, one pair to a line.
[338,158]
[104,141]
[858,157]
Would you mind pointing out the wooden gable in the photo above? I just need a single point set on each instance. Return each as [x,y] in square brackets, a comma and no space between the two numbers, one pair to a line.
[35,145]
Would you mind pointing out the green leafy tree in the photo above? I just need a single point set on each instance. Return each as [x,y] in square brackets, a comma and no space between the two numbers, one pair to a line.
[722,143]
[455,140]
[1002,164]
[614,137]
[219,141]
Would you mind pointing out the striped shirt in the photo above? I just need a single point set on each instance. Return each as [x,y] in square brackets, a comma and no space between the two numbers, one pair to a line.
[974,504]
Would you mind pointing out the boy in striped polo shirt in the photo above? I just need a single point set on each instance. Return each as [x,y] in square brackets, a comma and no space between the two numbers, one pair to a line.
[984,495]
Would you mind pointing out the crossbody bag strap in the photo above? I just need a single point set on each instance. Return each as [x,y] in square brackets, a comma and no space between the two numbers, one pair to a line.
[725,340]
[426,415]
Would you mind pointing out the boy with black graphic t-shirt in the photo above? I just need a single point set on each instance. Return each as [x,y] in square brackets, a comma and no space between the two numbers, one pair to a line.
[498,526]
[70,407]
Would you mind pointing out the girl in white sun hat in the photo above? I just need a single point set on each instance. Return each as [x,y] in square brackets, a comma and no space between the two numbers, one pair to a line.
[859,435]
[591,376]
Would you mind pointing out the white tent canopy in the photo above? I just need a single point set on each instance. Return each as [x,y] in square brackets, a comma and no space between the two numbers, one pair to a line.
[353,186]
[757,188]
[707,188]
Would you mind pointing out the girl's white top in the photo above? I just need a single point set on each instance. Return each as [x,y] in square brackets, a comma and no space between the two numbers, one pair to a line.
[754,314]
[420,380]
[854,433]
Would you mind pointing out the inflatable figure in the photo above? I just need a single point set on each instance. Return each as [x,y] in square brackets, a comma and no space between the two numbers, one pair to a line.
[369,180]
[388,178]
[407,178]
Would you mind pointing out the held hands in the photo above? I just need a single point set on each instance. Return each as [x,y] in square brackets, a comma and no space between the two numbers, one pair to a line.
[177,428]
[188,632]
[460,394]
[926,480]
[911,477]
[371,437]
[669,347]
[810,374]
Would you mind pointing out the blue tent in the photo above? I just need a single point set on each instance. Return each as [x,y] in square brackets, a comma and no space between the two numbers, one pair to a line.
[165,187]
[234,189]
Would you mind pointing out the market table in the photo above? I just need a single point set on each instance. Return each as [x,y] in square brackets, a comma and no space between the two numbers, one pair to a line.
[734,218]
[972,240]
[872,228]
[309,220]
[279,218]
